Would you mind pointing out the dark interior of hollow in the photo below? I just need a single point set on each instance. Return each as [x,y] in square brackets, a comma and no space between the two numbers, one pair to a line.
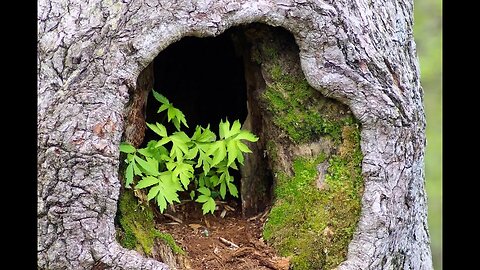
[205,79]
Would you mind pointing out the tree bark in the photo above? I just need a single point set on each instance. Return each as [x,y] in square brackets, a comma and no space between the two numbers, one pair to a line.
[90,54]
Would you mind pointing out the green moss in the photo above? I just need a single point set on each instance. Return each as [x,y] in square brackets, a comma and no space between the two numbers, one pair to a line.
[315,226]
[296,107]
[270,52]
[138,226]
[271,148]
[312,225]
[168,239]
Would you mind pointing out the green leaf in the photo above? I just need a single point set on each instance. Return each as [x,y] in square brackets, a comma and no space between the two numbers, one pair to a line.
[153,163]
[204,191]
[197,133]
[144,165]
[214,194]
[203,135]
[232,189]
[176,123]
[209,206]
[185,179]
[180,137]
[146,182]
[204,146]
[150,166]
[207,135]
[129,175]
[222,177]
[222,168]
[192,153]
[234,165]
[170,186]
[136,170]
[232,151]
[171,165]
[162,204]
[235,128]
[127,148]
[171,113]
[224,128]
[202,198]
[162,141]
[243,147]
[201,180]
[159,152]
[184,121]
[146,152]
[206,167]
[223,190]
[192,194]
[179,147]
[184,171]
[240,158]
[180,117]
[163,108]
[158,128]
[151,144]
[214,180]
[204,159]
[246,135]
[153,192]
[219,152]
[160,97]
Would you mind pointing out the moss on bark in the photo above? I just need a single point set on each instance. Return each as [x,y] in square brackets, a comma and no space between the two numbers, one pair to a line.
[314,225]
[317,170]
[137,226]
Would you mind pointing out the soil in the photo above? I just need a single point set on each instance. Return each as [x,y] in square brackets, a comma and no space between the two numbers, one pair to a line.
[216,243]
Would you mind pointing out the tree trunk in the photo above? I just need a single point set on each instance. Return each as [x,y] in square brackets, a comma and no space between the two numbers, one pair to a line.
[90,55]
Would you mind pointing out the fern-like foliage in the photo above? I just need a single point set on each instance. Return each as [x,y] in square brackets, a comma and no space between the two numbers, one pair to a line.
[176,162]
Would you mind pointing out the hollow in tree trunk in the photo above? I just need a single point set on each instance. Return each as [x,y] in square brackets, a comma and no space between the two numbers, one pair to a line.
[90,54]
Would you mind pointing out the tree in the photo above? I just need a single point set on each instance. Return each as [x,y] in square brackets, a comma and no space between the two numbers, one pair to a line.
[90,55]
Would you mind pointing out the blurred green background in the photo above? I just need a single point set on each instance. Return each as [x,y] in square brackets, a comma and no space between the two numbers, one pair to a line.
[428,36]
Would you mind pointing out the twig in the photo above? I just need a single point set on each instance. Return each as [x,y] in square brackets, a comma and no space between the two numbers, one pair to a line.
[260,215]
[255,217]
[173,218]
[243,251]
[229,208]
[228,243]
[206,222]
[172,223]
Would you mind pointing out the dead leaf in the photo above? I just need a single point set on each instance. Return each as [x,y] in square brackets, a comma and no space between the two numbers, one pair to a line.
[328,233]
[282,263]
[195,226]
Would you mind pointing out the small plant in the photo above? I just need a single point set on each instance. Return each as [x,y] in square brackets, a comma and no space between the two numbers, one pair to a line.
[176,162]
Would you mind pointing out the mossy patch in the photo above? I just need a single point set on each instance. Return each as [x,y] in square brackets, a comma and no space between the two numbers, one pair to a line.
[138,226]
[318,193]
[168,239]
[299,109]
[315,226]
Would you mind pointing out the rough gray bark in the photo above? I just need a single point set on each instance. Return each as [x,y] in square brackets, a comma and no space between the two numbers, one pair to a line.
[90,55]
